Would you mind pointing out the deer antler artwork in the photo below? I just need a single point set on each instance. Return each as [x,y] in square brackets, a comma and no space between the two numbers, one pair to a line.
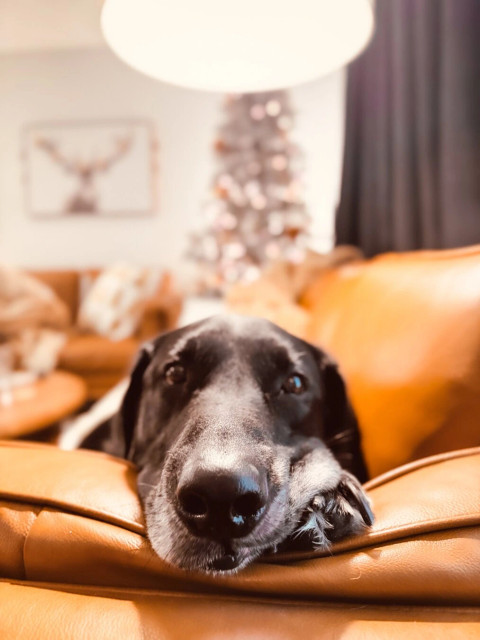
[85,197]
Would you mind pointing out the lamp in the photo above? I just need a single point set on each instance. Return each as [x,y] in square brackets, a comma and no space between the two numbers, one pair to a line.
[237,45]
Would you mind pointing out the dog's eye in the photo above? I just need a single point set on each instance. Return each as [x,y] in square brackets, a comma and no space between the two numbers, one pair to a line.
[175,374]
[294,384]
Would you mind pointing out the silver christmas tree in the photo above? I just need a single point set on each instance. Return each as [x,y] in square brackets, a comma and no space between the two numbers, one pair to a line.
[257,213]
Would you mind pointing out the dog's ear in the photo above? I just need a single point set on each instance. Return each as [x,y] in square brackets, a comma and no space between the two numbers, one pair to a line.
[340,427]
[127,416]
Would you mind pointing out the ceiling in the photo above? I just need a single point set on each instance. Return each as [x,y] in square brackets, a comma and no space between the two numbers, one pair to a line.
[40,25]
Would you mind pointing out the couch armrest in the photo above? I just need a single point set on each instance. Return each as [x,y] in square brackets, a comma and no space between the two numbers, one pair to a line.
[74,517]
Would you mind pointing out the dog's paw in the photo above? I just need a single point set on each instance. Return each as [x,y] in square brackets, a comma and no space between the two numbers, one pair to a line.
[333,515]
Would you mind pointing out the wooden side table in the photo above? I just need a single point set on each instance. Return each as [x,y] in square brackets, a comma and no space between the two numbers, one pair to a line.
[42,403]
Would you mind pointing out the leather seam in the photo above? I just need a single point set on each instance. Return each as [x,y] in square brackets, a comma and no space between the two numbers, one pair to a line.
[392,536]
[379,536]
[15,444]
[369,543]
[107,518]
[440,524]
[26,539]
[236,595]
[423,463]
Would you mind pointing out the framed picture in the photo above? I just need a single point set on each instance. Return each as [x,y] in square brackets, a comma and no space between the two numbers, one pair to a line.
[94,168]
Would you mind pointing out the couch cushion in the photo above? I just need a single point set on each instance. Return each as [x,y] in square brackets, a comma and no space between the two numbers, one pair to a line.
[405,329]
[47,612]
[74,518]
[66,284]
[91,353]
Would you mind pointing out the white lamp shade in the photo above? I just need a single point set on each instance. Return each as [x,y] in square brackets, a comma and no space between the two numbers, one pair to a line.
[237,45]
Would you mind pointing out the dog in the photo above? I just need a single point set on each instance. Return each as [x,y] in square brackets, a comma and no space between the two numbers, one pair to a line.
[245,442]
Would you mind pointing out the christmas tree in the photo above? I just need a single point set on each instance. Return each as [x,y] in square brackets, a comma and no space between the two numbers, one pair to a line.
[257,214]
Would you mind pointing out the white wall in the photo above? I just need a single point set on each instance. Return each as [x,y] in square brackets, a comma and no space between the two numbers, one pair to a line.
[94,84]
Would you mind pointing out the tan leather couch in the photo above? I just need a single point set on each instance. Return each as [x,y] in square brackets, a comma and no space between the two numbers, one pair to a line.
[99,361]
[75,562]
[405,329]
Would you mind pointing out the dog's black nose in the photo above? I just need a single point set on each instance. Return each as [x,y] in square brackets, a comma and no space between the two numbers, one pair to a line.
[222,504]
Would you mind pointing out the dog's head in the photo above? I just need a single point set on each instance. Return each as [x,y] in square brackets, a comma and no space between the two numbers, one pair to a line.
[220,417]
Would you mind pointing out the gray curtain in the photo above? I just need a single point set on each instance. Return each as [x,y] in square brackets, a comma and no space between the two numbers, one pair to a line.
[411,173]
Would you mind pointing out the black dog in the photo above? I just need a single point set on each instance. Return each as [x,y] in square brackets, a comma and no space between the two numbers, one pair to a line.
[244,440]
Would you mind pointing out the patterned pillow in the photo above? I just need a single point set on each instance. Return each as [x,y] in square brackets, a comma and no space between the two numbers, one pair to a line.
[113,306]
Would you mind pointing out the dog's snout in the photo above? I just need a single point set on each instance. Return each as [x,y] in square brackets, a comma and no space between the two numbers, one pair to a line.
[222,504]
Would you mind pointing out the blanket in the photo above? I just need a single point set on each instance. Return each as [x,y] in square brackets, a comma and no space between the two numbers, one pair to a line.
[33,320]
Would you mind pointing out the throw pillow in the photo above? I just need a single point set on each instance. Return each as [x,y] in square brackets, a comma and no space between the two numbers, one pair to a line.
[113,306]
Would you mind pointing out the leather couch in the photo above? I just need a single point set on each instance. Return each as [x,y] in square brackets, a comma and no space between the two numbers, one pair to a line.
[405,329]
[75,562]
[99,361]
